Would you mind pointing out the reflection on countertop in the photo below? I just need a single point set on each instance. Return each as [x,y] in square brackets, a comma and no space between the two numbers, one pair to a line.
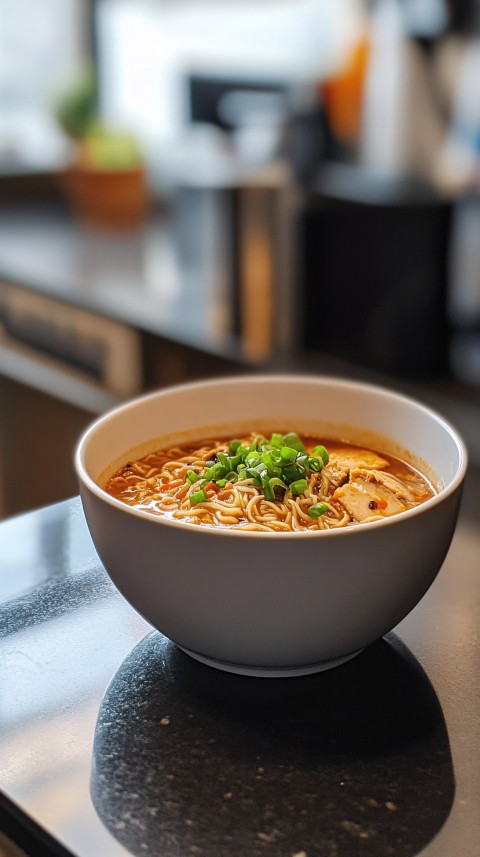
[352,756]
[136,277]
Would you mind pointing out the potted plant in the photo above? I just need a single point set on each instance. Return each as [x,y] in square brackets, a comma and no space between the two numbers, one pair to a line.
[106,180]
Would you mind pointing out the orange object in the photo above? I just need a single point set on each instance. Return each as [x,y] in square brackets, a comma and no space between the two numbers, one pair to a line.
[112,199]
[342,94]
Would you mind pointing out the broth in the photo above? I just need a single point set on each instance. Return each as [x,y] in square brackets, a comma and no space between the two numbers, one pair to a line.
[282,483]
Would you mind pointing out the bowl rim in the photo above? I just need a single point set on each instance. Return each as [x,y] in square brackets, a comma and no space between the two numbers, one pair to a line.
[232,532]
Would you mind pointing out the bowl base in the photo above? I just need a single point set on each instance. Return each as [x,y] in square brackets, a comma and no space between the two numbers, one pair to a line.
[271,672]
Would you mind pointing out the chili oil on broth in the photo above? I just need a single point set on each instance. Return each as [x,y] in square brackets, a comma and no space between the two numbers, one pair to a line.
[358,484]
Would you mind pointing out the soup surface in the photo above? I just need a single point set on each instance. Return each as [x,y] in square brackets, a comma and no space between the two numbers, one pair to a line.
[280,483]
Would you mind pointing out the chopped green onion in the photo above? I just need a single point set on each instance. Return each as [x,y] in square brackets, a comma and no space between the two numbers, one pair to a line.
[233,462]
[192,476]
[315,464]
[272,458]
[292,440]
[322,452]
[288,454]
[299,487]
[241,453]
[216,472]
[273,465]
[259,438]
[275,488]
[267,492]
[256,443]
[292,472]
[223,459]
[259,470]
[198,497]
[317,509]
[276,441]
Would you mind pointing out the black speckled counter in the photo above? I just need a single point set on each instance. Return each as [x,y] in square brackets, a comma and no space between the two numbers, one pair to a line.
[114,742]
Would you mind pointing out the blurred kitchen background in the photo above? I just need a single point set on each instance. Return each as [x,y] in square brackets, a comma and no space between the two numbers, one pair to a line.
[199,187]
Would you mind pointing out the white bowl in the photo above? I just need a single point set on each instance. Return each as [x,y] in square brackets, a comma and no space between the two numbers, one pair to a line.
[261,603]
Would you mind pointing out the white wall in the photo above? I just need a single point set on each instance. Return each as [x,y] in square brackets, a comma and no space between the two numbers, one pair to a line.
[147,47]
[41,50]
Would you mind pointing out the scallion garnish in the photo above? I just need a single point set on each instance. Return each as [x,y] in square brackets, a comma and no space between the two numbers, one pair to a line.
[317,510]
[272,458]
[275,466]
[198,497]
[192,476]
[322,452]
[299,487]
[223,459]
[276,441]
[288,454]
[293,441]
[293,472]
[276,490]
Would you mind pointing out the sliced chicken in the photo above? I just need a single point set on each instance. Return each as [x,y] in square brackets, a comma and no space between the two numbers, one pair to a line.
[335,476]
[393,483]
[365,497]
[351,456]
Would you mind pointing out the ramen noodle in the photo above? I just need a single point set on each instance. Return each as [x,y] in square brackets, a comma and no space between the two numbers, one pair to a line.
[280,483]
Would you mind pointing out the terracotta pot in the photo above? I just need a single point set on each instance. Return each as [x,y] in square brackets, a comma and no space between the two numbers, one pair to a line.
[112,199]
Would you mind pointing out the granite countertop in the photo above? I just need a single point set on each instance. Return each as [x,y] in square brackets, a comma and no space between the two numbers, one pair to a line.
[115,742]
